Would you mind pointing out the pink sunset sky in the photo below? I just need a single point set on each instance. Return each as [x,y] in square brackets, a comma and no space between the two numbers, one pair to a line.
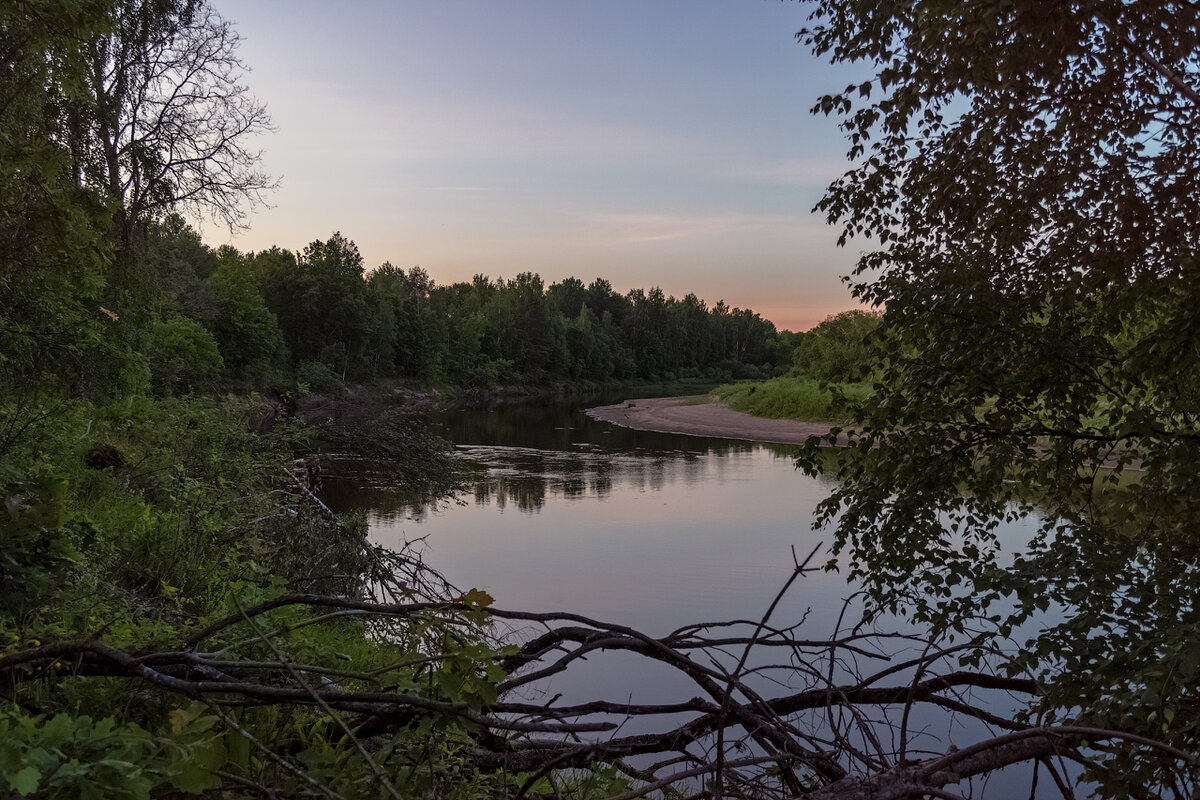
[650,142]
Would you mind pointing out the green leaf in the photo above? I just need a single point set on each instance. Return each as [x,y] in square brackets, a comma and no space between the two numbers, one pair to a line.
[25,782]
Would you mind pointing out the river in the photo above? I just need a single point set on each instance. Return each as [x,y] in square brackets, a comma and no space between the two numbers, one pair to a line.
[649,530]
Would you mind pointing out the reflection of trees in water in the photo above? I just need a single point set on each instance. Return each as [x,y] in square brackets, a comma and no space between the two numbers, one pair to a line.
[526,478]
[526,495]
[526,454]
[349,494]
[564,429]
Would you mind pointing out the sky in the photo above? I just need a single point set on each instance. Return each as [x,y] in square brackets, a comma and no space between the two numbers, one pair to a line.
[649,142]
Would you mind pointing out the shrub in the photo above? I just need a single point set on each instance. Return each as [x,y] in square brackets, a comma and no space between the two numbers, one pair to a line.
[183,356]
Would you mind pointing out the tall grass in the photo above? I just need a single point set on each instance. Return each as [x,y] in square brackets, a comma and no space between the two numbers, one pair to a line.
[790,397]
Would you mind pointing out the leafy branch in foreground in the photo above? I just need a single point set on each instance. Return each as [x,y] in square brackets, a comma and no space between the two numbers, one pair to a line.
[1028,178]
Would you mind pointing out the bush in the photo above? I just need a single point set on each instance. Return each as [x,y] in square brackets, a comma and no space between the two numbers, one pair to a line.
[313,376]
[793,398]
[839,349]
[183,356]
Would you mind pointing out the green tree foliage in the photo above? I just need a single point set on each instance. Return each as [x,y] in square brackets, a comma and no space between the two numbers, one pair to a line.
[523,330]
[568,296]
[403,336]
[183,355]
[53,324]
[839,349]
[72,757]
[320,301]
[176,266]
[1028,172]
[246,331]
[339,321]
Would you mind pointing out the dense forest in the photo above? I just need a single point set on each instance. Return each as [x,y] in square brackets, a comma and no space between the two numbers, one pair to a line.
[317,317]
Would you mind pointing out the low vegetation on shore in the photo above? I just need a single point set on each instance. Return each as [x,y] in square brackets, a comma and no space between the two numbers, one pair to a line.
[794,397]
[830,375]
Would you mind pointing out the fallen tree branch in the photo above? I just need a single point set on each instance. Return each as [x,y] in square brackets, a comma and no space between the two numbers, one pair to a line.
[792,739]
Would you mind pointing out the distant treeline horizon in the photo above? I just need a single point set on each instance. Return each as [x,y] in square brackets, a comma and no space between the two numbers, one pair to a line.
[319,318]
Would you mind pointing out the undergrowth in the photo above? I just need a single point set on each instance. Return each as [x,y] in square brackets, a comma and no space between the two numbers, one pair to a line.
[791,397]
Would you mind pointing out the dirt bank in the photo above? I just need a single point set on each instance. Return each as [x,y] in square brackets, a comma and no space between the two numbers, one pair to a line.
[684,415]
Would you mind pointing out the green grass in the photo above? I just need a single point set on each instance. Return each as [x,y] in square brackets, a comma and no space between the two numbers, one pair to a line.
[791,397]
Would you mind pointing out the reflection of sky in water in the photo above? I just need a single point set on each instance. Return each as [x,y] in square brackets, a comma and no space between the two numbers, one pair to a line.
[649,530]
[646,530]
[651,540]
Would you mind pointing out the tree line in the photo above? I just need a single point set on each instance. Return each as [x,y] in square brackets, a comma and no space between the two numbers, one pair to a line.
[319,315]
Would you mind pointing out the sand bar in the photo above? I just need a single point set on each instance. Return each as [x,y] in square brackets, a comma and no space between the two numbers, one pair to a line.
[683,415]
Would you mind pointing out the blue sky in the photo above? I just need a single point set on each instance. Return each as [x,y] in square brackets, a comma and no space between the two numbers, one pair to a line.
[650,142]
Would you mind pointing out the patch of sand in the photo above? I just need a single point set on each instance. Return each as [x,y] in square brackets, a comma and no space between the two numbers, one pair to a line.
[683,415]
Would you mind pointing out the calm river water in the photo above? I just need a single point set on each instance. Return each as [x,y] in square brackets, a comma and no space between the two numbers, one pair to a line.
[646,529]
[650,530]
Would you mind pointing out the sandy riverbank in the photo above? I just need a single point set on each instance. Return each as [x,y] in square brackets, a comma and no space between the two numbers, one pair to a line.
[683,415]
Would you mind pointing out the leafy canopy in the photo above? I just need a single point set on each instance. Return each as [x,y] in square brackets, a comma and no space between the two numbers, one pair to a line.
[1026,172]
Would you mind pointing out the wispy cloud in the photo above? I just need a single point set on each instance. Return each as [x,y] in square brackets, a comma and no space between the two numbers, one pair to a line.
[818,172]
[661,227]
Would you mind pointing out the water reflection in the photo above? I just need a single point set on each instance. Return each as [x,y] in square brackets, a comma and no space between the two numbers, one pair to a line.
[524,456]
[530,454]
[649,530]
[525,477]
[567,513]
